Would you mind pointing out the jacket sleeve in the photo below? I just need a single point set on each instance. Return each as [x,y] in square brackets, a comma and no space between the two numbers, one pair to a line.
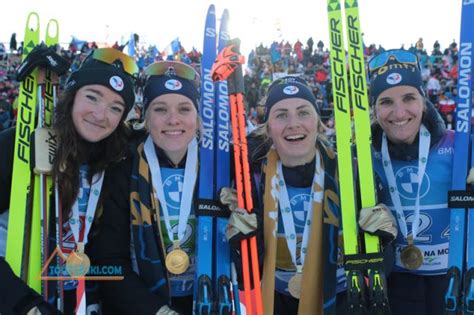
[111,248]
[7,141]
[16,297]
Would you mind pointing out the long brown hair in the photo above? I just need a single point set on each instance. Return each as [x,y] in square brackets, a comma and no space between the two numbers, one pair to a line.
[72,151]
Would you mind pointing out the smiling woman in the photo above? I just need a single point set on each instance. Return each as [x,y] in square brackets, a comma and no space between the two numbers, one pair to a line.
[413,157]
[91,146]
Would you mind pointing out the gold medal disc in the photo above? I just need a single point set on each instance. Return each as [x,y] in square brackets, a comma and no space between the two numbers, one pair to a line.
[294,285]
[177,261]
[411,257]
[77,264]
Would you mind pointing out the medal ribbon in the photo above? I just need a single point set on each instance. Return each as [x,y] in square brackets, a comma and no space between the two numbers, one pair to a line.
[190,175]
[74,223]
[94,194]
[423,150]
[287,214]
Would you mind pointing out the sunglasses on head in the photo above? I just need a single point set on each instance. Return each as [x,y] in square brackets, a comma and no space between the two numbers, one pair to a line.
[113,56]
[173,68]
[287,80]
[400,55]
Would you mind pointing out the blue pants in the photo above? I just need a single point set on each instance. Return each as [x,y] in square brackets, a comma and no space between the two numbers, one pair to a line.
[411,294]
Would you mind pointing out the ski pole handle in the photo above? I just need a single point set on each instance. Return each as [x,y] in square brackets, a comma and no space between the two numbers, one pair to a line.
[228,65]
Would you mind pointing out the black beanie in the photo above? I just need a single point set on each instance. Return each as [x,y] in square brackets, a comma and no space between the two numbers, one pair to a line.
[288,87]
[158,85]
[393,74]
[112,76]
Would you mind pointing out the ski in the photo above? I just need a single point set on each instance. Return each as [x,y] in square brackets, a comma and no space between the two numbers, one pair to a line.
[21,198]
[203,286]
[222,277]
[360,103]
[357,264]
[459,297]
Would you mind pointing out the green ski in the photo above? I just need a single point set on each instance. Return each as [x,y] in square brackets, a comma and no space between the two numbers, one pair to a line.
[357,261]
[21,195]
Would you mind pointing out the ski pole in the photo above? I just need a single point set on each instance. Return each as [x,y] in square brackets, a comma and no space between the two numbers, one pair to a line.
[228,66]
[235,290]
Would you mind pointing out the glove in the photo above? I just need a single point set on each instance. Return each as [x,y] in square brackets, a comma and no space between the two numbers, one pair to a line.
[241,223]
[165,310]
[228,197]
[470,177]
[42,56]
[379,221]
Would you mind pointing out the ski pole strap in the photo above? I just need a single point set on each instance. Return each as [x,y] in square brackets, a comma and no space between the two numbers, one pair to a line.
[363,261]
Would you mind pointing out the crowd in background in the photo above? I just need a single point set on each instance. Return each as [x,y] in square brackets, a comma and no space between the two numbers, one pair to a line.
[264,64]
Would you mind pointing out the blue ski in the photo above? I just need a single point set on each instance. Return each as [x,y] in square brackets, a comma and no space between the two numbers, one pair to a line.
[222,166]
[459,295]
[203,288]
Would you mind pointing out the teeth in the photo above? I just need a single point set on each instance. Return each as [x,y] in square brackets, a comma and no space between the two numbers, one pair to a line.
[400,123]
[173,133]
[295,137]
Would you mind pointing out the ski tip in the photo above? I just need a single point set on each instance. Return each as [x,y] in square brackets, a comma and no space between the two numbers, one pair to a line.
[32,22]
[211,10]
[52,29]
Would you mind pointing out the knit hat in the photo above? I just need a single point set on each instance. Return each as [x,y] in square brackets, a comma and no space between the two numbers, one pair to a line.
[394,73]
[158,85]
[109,75]
[288,87]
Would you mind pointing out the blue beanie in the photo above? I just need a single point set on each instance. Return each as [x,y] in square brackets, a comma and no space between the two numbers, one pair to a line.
[158,85]
[288,87]
[393,74]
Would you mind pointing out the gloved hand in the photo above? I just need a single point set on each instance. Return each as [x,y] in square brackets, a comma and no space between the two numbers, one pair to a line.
[470,177]
[379,220]
[165,310]
[241,223]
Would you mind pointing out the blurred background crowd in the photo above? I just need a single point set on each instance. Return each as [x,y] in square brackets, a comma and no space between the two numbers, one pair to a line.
[309,60]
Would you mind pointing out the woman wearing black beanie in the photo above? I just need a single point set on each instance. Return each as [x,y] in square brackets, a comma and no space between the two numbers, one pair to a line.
[91,142]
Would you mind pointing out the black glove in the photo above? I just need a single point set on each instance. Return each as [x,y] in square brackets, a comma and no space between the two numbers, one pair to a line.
[42,56]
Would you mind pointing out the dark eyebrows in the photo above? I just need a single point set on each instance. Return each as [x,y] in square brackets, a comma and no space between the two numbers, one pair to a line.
[99,93]
[89,89]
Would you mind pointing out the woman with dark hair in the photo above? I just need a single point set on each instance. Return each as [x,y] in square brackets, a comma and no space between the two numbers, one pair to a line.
[92,141]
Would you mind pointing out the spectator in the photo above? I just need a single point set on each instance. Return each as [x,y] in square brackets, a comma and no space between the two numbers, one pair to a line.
[13,43]
[5,117]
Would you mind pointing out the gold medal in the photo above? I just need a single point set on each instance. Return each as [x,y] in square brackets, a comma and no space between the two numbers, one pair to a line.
[294,285]
[177,261]
[411,257]
[77,263]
